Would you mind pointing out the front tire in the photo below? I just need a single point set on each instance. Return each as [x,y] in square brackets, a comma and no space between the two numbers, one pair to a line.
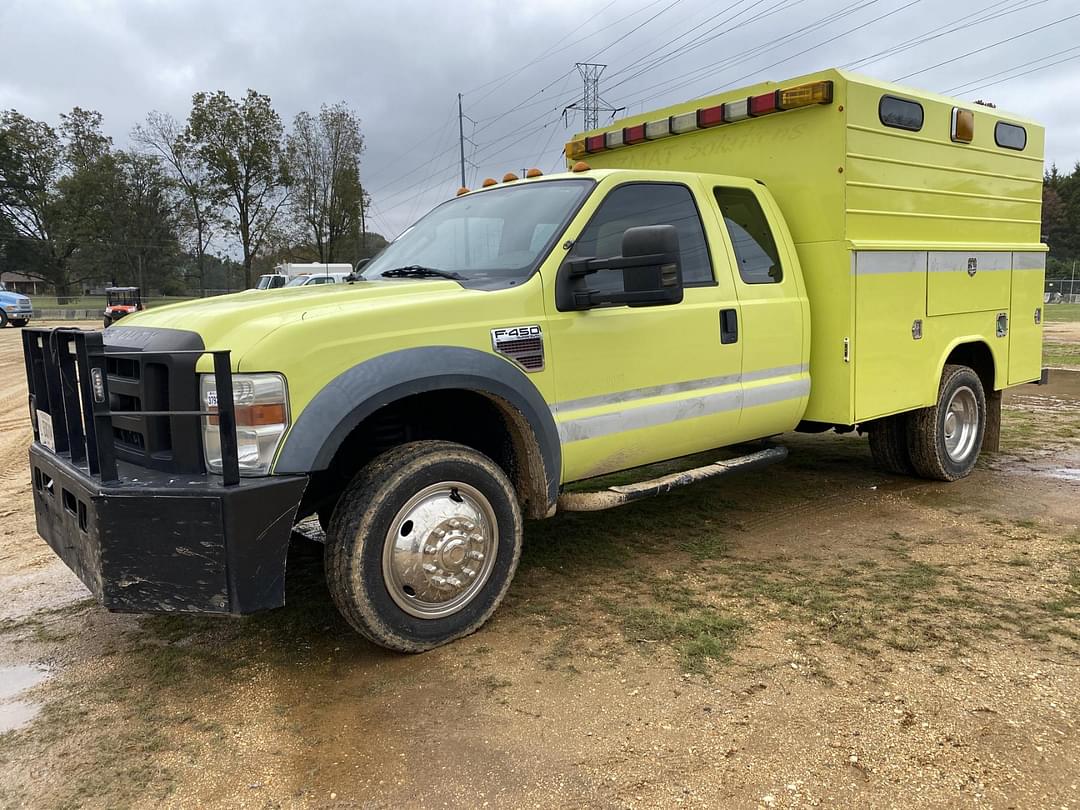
[423,544]
[3,319]
[945,440]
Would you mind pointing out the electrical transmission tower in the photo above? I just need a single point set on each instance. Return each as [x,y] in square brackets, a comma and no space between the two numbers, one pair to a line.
[591,104]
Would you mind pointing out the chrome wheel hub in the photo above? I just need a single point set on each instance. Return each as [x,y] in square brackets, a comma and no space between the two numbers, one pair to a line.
[961,425]
[440,550]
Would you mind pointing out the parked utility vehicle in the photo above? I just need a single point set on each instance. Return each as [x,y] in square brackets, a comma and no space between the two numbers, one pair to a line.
[15,308]
[827,253]
[121,301]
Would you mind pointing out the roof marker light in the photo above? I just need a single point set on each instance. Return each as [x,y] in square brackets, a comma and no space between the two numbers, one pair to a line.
[804,95]
[489,181]
[657,129]
[595,143]
[634,134]
[461,191]
[580,166]
[737,110]
[763,104]
[509,177]
[613,139]
[574,149]
[687,122]
[534,173]
[710,116]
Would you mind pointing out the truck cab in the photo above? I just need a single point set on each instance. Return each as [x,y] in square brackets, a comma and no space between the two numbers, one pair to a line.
[15,308]
[703,278]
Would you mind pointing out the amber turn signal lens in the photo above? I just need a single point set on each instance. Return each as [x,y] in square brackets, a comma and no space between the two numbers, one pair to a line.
[574,149]
[963,125]
[805,94]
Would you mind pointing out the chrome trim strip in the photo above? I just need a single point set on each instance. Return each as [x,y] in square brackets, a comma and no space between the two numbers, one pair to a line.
[663,413]
[651,391]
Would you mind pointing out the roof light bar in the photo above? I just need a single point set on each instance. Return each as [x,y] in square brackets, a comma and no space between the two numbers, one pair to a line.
[790,98]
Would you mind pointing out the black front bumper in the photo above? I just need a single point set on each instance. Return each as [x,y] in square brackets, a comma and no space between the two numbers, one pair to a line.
[157,542]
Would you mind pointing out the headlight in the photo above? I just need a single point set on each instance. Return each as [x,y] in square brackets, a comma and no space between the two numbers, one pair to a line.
[262,415]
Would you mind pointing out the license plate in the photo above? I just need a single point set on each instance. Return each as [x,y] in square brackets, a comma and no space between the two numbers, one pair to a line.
[45,431]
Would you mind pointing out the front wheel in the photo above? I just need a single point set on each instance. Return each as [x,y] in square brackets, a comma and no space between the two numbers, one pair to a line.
[422,545]
[945,440]
[3,318]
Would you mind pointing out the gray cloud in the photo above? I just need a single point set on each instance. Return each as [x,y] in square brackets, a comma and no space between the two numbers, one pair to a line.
[400,65]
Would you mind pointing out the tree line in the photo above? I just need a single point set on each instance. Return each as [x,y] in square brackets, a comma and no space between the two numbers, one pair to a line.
[1061,222]
[207,202]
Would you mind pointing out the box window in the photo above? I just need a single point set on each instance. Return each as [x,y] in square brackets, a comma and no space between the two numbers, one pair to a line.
[900,113]
[1010,136]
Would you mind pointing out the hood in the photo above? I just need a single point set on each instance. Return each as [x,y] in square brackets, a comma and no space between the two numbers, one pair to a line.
[14,298]
[241,320]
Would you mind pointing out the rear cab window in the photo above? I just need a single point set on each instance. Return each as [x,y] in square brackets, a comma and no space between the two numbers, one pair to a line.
[756,255]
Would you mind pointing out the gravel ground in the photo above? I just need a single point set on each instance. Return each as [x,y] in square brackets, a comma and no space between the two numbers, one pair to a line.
[819,634]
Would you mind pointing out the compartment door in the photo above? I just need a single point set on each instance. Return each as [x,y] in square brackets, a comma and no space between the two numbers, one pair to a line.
[1025,317]
[968,282]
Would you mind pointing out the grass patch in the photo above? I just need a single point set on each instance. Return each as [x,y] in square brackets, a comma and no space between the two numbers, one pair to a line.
[1062,312]
[699,636]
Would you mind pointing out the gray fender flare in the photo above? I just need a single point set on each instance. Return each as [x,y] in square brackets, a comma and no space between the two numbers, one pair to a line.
[358,392]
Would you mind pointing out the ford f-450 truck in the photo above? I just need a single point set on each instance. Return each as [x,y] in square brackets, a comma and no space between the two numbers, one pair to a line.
[826,253]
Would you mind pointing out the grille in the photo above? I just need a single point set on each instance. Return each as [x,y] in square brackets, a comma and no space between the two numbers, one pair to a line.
[526,352]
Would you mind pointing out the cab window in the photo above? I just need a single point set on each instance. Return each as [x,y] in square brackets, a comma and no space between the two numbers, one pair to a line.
[637,204]
[755,250]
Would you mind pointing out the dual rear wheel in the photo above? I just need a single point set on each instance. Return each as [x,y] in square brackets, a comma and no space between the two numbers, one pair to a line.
[941,442]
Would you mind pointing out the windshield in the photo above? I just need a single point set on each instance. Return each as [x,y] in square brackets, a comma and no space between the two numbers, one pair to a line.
[491,239]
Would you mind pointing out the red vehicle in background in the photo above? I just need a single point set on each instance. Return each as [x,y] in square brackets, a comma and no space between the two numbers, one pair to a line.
[121,301]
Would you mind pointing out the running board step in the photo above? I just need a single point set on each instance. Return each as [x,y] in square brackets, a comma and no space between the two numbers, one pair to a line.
[617,496]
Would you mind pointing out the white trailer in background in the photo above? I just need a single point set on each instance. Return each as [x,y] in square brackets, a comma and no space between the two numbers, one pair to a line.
[286,272]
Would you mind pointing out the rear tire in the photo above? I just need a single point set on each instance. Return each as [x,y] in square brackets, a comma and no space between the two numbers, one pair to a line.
[945,440]
[422,545]
[889,444]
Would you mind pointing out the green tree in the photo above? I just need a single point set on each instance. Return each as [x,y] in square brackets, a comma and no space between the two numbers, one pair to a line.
[241,145]
[54,195]
[200,211]
[323,164]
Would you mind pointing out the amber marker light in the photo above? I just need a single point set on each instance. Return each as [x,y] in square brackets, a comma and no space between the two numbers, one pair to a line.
[574,149]
[580,166]
[509,177]
[489,181]
[461,191]
[963,125]
[534,173]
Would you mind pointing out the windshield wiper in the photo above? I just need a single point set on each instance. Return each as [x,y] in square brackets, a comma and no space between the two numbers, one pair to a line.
[419,271]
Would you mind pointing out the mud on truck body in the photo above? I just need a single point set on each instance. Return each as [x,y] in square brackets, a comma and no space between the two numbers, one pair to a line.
[827,253]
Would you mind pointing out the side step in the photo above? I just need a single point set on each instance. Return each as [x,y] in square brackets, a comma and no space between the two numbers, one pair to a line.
[620,495]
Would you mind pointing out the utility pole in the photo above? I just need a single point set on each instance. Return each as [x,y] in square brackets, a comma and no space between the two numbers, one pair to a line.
[461,118]
[461,137]
[591,104]
[1072,284]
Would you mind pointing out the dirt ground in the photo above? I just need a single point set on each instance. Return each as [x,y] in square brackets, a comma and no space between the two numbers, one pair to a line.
[818,634]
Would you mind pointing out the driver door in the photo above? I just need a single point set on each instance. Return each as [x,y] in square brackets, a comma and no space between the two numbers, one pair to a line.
[636,385]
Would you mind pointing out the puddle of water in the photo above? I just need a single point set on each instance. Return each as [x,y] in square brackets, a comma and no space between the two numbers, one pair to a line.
[1065,473]
[16,714]
[16,679]
[13,681]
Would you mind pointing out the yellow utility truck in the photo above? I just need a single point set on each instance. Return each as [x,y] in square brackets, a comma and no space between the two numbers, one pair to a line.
[826,253]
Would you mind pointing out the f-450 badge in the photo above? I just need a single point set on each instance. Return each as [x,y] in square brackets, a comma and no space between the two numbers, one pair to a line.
[522,344]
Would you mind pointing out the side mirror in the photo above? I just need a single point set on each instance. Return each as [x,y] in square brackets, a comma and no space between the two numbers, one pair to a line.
[651,273]
[355,274]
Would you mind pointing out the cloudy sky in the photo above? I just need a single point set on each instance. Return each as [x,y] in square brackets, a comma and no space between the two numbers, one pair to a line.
[400,65]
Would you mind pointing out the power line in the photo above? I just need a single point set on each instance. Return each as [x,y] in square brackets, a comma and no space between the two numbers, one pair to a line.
[960,88]
[988,47]
[1024,73]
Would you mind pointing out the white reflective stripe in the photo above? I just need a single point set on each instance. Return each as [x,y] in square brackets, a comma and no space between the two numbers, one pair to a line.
[676,388]
[1029,261]
[662,413]
[957,261]
[874,262]
[889,261]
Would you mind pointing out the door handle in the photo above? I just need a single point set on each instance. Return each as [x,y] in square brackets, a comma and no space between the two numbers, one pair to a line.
[729,326]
